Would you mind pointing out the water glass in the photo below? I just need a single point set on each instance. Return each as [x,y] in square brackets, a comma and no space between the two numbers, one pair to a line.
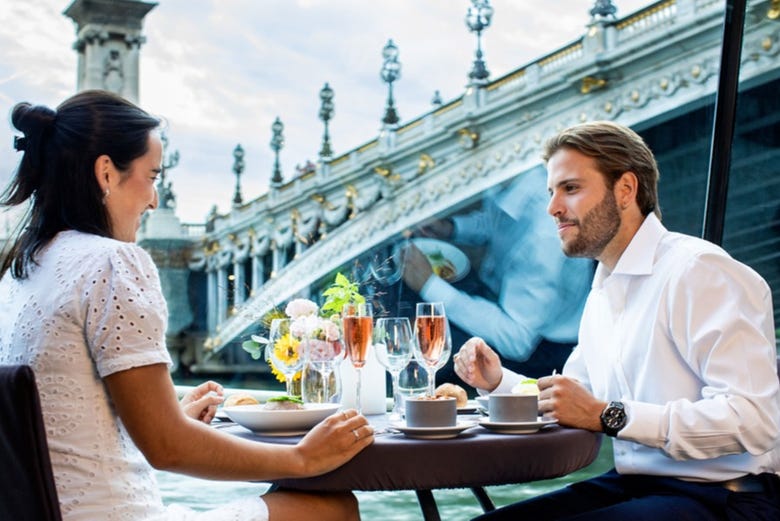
[393,346]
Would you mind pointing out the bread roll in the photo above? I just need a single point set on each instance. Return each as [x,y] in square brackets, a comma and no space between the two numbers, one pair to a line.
[240,399]
[454,390]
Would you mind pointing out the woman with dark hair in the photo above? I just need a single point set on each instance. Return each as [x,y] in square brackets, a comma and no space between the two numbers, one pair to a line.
[82,305]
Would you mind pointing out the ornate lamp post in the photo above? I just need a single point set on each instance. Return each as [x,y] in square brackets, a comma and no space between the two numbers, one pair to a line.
[604,9]
[277,142]
[391,71]
[326,112]
[436,101]
[238,168]
[478,19]
[164,191]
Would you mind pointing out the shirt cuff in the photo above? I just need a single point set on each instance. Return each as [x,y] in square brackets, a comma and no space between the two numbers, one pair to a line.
[508,380]
[643,424]
[437,289]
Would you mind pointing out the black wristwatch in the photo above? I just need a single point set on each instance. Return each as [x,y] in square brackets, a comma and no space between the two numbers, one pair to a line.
[613,418]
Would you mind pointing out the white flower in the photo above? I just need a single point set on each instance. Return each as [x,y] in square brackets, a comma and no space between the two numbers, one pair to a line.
[330,330]
[300,307]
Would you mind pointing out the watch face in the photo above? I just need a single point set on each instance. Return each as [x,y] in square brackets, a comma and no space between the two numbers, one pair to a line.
[613,418]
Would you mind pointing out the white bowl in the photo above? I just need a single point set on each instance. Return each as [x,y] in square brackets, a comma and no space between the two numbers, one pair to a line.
[258,419]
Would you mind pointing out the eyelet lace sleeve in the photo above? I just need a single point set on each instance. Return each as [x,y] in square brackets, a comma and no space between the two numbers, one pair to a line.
[126,314]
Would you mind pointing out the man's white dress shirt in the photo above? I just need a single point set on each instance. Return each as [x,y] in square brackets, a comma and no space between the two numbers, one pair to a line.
[684,336]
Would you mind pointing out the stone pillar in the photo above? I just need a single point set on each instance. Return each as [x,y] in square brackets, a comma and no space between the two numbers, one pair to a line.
[211,307]
[108,41]
[222,297]
[239,284]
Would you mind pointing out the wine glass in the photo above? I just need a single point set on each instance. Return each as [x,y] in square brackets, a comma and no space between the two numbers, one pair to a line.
[357,322]
[386,263]
[283,350]
[434,342]
[325,351]
[393,345]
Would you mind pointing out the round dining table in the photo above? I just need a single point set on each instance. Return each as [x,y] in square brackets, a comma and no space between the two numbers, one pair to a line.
[475,458]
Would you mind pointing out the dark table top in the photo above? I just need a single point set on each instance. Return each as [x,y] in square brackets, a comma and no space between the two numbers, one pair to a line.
[475,458]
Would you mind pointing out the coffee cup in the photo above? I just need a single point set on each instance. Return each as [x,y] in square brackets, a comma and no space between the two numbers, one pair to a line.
[426,411]
[512,408]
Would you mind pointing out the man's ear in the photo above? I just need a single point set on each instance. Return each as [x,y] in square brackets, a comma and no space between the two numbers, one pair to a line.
[104,169]
[626,189]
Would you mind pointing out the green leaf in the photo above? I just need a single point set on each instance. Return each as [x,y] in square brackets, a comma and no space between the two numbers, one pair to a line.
[285,398]
[253,348]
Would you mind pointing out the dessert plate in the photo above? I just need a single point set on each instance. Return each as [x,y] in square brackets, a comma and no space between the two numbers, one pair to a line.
[433,433]
[516,427]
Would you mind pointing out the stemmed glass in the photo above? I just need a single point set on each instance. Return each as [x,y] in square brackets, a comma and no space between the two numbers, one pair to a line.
[325,354]
[283,350]
[434,342]
[357,322]
[393,345]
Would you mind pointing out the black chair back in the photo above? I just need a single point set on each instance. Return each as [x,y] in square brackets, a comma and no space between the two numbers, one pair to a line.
[27,491]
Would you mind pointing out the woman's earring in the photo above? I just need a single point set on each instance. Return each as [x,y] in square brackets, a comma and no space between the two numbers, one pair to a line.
[105,195]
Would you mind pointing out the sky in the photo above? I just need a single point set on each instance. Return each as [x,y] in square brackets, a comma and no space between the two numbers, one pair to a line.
[220,71]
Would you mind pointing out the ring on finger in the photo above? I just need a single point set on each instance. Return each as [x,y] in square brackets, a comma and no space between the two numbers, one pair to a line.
[355,432]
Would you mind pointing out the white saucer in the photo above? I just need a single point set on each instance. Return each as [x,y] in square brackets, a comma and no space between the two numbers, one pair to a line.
[516,427]
[433,433]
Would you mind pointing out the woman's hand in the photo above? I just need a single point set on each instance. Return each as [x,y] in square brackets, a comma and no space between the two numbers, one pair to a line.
[333,442]
[201,402]
[478,365]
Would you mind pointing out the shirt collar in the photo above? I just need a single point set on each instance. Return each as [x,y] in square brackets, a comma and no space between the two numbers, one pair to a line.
[639,255]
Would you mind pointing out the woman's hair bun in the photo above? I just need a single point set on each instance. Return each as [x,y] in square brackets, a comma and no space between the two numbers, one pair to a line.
[32,120]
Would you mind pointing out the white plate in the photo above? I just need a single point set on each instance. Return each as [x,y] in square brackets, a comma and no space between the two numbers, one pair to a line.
[433,433]
[516,427]
[482,402]
[458,259]
[282,423]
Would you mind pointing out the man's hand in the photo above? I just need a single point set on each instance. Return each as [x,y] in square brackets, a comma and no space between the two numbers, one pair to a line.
[437,229]
[417,268]
[478,365]
[568,401]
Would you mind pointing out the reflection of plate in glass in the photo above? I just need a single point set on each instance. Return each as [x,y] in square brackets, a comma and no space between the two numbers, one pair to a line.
[516,427]
[435,249]
[258,419]
[433,433]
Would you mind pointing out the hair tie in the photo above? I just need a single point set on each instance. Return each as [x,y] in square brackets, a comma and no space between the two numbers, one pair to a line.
[20,143]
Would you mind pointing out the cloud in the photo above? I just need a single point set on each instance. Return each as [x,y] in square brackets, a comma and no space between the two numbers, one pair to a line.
[220,71]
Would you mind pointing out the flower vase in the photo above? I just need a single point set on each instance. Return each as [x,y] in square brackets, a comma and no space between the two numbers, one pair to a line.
[313,388]
[297,384]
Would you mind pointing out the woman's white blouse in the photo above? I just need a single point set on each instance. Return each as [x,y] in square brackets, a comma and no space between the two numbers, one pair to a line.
[92,307]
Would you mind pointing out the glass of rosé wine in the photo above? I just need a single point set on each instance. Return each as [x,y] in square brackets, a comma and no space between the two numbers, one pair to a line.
[434,343]
[357,322]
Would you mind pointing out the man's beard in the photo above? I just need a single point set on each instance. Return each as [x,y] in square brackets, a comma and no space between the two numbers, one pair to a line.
[595,229]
